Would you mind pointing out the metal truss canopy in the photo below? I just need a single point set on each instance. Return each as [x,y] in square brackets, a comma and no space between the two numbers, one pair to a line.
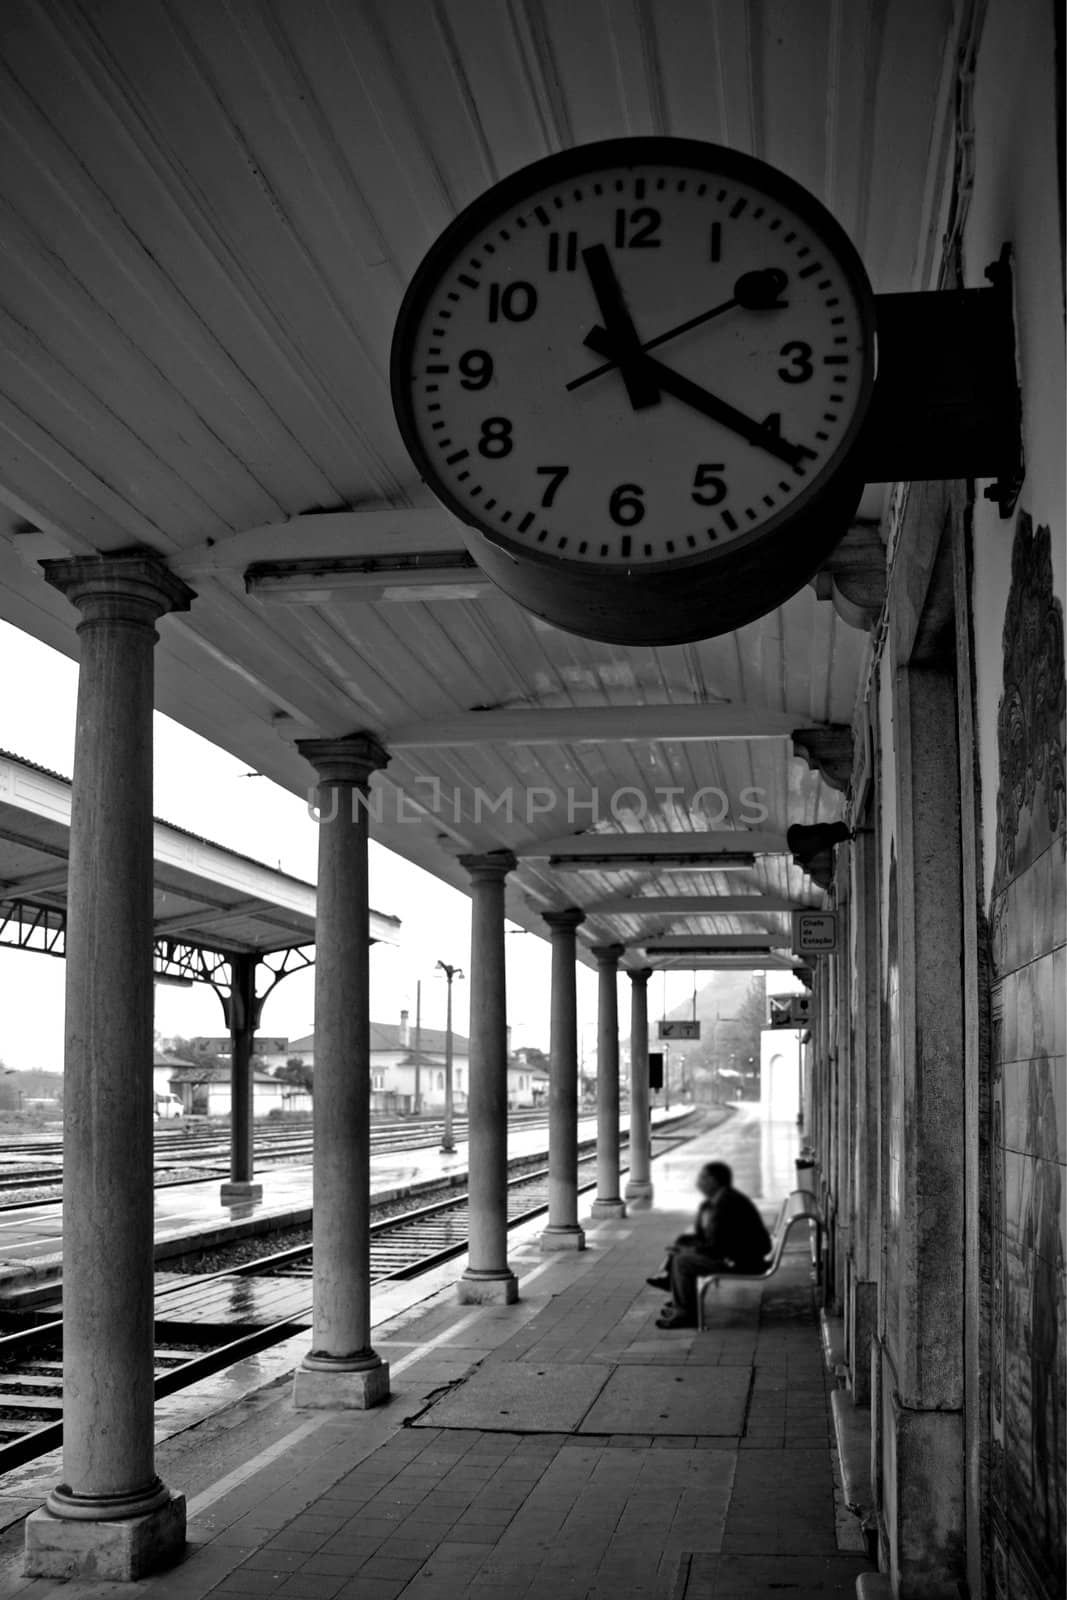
[211,905]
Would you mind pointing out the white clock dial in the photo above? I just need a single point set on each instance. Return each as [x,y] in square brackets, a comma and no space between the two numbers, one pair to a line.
[635,358]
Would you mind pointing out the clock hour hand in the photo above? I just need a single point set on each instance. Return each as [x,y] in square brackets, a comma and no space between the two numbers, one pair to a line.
[618,325]
[753,291]
[693,394]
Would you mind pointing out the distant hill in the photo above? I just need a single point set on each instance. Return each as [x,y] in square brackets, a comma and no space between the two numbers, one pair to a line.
[18,1087]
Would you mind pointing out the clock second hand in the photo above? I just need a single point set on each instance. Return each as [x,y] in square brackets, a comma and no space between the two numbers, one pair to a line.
[692,394]
[753,291]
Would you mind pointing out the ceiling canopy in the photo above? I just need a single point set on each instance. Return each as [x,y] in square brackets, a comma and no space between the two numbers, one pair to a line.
[210,215]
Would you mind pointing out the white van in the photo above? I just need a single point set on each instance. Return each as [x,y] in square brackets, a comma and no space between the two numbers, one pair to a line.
[168,1105]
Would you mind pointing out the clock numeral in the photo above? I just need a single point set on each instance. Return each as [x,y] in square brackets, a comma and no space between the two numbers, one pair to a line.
[635,230]
[562,251]
[555,476]
[496,440]
[626,506]
[515,302]
[477,369]
[716,241]
[705,478]
[799,356]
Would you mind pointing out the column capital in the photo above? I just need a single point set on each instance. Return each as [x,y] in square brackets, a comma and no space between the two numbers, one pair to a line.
[608,955]
[124,586]
[639,976]
[492,866]
[565,921]
[350,759]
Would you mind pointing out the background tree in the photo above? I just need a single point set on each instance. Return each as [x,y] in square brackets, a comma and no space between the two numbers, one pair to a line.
[296,1072]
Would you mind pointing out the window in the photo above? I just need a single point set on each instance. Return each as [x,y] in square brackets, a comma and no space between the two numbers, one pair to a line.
[440,1080]
[377,1080]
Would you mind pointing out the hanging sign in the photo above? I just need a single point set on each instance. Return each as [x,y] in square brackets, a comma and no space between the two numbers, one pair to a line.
[814,932]
[679,1030]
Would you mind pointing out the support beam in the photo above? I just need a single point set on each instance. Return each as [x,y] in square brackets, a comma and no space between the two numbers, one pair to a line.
[690,905]
[35,883]
[675,962]
[599,725]
[711,943]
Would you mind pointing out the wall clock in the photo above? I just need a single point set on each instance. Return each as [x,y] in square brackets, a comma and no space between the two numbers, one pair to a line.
[637,372]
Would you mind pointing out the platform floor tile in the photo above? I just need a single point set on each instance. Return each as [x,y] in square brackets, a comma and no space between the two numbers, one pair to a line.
[729,1577]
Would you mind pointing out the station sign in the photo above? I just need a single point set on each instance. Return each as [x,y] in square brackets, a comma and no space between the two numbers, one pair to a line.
[789,1010]
[679,1030]
[814,932]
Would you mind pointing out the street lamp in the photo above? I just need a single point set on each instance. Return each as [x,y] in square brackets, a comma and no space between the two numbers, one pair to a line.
[447,1141]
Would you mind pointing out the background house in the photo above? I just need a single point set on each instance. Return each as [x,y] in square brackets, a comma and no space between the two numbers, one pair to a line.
[205,1091]
[395,1062]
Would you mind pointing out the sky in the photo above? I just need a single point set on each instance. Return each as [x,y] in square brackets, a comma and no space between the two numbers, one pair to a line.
[201,787]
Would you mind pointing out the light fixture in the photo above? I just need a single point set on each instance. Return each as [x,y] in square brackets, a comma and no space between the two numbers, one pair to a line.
[173,979]
[708,950]
[411,575]
[732,862]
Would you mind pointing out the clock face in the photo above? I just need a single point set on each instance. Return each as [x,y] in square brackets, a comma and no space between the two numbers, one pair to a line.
[632,355]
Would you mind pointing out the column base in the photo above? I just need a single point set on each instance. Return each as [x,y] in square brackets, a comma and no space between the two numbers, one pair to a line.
[485,1289]
[563,1239]
[120,1551]
[638,1193]
[320,1385]
[608,1208]
[232,1194]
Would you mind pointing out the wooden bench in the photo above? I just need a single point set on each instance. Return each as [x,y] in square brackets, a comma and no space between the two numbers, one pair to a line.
[798,1207]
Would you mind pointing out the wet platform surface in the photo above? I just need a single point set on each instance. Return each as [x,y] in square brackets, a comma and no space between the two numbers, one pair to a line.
[559,1447]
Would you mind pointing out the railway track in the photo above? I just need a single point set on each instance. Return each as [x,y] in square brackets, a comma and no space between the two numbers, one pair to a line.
[209,1154]
[198,1331]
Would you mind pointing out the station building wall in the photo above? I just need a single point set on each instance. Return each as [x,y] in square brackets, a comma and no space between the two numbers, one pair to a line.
[939,1111]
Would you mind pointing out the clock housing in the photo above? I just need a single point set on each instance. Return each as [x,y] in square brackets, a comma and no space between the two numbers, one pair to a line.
[637,372]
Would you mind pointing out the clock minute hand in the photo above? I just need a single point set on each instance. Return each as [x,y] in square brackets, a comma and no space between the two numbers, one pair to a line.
[693,394]
[618,325]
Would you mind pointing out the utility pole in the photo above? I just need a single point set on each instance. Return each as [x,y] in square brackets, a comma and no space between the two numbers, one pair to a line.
[416,1098]
[447,1141]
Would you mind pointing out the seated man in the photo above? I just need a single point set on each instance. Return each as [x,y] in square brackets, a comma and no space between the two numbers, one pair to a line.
[728,1236]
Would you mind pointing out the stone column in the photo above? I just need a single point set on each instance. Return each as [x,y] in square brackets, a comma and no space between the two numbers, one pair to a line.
[342,1369]
[488,1280]
[925,1332]
[242,1018]
[111,1517]
[639,1184]
[608,1202]
[563,1232]
[866,1249]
